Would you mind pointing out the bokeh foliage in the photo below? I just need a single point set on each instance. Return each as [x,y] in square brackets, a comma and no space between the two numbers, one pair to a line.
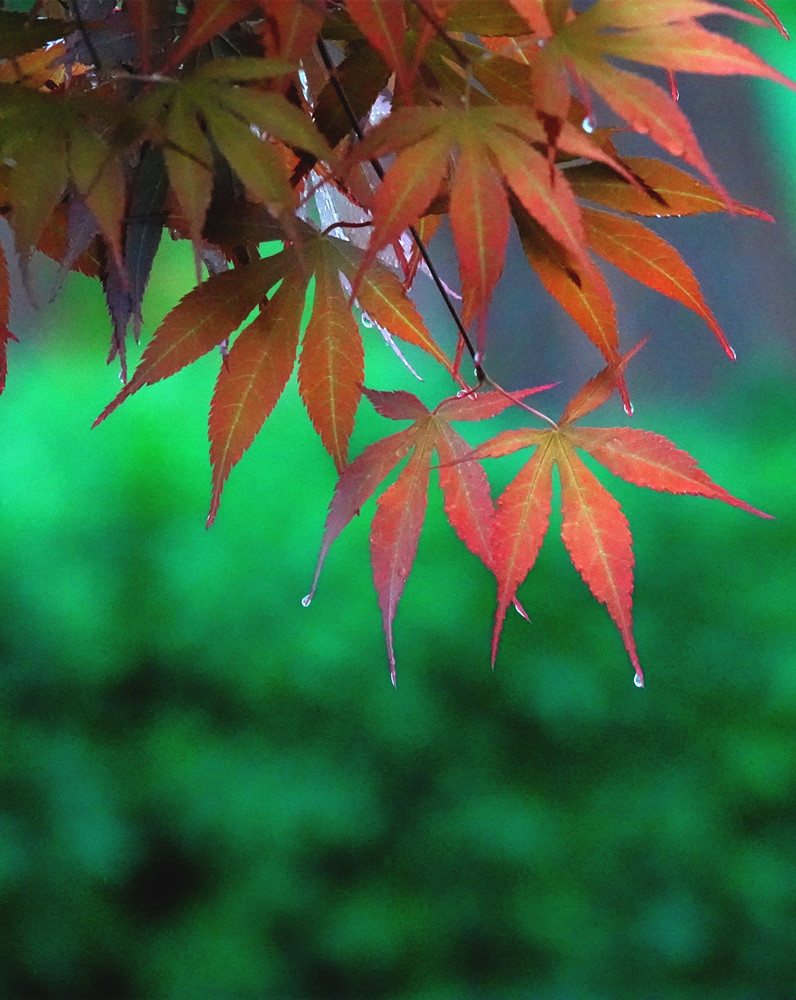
[209,791]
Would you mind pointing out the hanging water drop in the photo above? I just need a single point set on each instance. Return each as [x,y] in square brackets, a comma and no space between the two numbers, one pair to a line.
[587,124]
[306,600]
[638,680]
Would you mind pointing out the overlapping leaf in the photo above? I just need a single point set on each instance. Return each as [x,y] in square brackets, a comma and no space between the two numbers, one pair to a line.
[496,152]
[401,508]
[664,33]
[214,103]
[48,147]
[261,359]
[594,529]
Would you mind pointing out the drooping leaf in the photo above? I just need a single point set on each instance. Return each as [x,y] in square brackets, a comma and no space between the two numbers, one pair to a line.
[400,511]
[251,380]
[144,225]
[662,33]
[99,178]
[199,322]
[521,520]
[662,190]
[650,259]
[395,532]
[585,295]
[332,363]
[597,537]
[594,529]
[189,162]
[496,152]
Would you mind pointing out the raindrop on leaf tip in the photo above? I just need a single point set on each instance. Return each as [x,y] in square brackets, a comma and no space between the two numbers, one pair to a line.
[638,681]
[306,600]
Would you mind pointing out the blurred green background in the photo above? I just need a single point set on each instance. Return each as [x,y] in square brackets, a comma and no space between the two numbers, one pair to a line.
[209,792]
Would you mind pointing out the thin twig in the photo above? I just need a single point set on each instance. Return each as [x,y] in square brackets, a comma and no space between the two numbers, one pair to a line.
[352,118]
[81,27]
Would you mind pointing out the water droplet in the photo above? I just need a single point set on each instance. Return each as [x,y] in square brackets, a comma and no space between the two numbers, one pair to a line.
[731,352]
[638,681]
[588,124]
[306,600]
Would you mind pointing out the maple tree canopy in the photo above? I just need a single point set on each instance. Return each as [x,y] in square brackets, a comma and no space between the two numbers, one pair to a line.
[308,149]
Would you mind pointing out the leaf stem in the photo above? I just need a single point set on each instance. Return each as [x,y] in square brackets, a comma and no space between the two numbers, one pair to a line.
[520,403]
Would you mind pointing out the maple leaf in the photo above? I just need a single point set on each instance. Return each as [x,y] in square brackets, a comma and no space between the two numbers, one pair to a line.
[401,508]
[649,259]
[594,529]
[49,148]
[215,102]
[662,190]
[664,33]
[496,151]
[261,359]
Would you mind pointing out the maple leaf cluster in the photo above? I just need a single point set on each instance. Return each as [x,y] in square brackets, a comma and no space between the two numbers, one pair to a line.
[308,149]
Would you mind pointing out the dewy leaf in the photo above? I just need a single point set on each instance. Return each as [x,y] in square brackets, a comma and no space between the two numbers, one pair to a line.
[400,511]
[597,537]
[765,8]
[645,33]
[251,380]
[382,296]
[496,151]
[648,258]
[521,518]
[395,532]
[651,460]
[594,530]
[662,190]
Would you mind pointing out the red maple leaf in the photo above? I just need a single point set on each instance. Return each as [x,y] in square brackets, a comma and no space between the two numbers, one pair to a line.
[261,359]
[665,33]
[594,529]
[402,506]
